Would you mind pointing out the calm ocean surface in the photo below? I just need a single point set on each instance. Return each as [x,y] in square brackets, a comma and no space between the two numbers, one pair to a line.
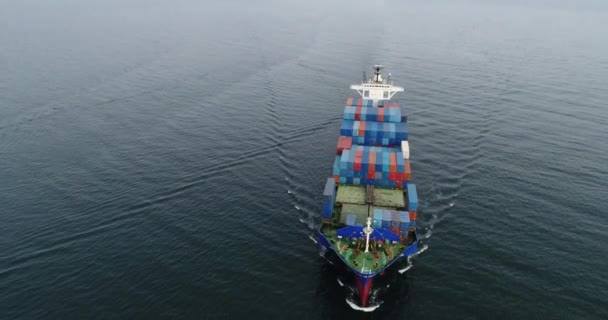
[147,149]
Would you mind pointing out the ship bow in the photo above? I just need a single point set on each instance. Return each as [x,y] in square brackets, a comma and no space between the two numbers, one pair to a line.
[364,286]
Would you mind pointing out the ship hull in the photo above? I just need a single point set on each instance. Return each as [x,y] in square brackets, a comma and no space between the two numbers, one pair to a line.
[364,285]
[369,202]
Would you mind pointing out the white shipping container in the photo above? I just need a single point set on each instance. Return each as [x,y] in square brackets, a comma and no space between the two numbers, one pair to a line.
[405,149]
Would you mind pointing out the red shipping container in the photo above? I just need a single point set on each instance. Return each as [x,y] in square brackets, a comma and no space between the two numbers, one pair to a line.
[348,143]
[395,231]
[393,162]
[344,143]
[358,113]
[391,105]
[362,129]
[349,101]
[372,160]
[339,148]
[380,114]
[413,215]
[392,176]
[398,184]
[371,175]
[371,166]
[358,159]
[407,175]
[337,178]
[359,102]
[371,172]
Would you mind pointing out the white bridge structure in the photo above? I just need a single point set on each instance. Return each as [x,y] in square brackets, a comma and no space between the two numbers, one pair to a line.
[377,88]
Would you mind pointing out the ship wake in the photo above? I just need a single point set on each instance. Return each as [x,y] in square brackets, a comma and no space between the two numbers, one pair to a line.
[408,267]
[423,249]
[364,309]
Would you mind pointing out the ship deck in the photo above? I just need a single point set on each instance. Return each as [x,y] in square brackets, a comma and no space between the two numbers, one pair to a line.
[360,202]
[352,250]
[352,199]
[383,197]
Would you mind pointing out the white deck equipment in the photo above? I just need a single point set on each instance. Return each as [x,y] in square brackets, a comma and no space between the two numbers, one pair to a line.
[405,149]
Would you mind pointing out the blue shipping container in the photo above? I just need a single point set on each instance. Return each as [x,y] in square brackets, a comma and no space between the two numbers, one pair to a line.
[350,219]
[395,224]
[412,197]
[377,214]
[386,224]
[377,223]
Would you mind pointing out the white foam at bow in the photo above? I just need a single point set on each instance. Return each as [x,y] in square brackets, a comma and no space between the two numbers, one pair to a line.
[426,246]
[364,309]
[409,266]
[313,239]
[428,234]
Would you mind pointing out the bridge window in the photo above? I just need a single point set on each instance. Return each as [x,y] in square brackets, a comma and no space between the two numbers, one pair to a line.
[365,94]
[386,94]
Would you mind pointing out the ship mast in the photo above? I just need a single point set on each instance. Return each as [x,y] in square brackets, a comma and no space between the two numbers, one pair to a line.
[368,231]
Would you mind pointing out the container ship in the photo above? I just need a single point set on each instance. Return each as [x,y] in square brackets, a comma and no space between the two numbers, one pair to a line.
[369,203]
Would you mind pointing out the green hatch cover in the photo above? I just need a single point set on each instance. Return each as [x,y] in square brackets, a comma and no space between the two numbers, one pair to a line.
[389,198]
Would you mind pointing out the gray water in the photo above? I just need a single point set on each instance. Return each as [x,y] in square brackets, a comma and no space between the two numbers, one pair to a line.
[147,149]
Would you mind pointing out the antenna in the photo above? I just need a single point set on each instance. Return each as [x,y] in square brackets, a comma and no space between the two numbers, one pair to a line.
[377,78]
[364,77]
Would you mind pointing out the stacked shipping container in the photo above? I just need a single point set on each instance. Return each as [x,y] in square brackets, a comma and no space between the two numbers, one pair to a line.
[373,133]
[372,114]
[412,197]
[358,102]
[344,143]
[329,198]
[396,221]
[373,150]
[378,166]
